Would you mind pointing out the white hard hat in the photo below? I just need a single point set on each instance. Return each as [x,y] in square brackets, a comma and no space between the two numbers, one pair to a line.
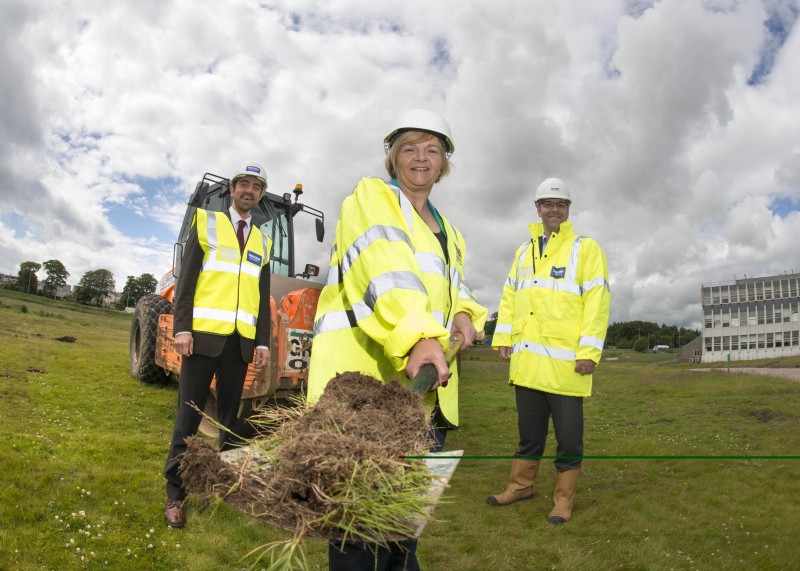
[552,188]
[421,120]
[250,169]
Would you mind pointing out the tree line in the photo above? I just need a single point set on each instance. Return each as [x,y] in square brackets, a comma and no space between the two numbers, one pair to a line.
[637,335]
[95,287]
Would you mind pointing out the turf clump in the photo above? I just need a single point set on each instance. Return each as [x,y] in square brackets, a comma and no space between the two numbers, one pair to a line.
[334,470]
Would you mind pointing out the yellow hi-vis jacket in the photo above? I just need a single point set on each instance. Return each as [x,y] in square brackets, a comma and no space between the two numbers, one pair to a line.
[554,311]
[226,270]
[389,286]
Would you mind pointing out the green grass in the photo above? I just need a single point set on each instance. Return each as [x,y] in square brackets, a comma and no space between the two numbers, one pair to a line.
[85,445]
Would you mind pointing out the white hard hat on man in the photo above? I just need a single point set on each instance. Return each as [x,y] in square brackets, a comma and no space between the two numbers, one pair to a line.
[554,189]
[250,169]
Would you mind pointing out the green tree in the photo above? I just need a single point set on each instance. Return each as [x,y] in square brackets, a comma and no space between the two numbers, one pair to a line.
[56,278]
[94,286]
[135,288]
[26,278]
[491,324]
[640,345]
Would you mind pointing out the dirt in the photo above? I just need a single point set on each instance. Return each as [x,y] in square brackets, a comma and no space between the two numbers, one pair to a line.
[358,418]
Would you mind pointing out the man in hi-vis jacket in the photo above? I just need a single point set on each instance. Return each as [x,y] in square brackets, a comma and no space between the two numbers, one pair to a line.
[222,314]
[552,325]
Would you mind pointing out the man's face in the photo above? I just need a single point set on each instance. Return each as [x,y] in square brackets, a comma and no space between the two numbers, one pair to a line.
[552,212]
[246,193]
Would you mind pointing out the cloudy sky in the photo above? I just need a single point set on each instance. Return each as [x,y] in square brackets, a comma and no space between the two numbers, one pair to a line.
[673,123]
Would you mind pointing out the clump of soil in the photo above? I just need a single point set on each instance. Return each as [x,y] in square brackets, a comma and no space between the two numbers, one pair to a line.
[300,476]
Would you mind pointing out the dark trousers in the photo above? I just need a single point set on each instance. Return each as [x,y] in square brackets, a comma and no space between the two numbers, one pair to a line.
[351,556]
[398,556]
[534,410]
[197,371]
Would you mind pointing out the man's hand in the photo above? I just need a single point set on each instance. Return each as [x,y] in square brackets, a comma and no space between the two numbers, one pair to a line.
[505,353]
[584,366]
[428,351]
[184,344]
[261,358]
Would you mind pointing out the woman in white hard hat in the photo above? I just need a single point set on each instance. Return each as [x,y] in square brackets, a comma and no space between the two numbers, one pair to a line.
[395,293]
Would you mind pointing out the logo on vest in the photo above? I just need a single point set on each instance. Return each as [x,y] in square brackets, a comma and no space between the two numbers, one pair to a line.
[253,258]
[558,273]
[459,258]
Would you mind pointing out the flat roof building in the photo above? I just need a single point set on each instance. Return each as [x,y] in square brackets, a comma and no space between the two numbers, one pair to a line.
[751,318]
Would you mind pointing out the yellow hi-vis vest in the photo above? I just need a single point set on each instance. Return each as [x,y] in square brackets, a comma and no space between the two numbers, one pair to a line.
[225,271]
[554,311]
[389,286]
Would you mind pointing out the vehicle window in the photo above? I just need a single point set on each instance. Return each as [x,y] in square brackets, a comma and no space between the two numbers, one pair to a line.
[276,227]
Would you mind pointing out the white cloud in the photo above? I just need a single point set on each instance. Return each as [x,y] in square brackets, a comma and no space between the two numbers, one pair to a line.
[115,110]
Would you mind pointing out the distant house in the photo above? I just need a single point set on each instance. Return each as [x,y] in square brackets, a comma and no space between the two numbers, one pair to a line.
[7,279]
[751,318]
[693,350]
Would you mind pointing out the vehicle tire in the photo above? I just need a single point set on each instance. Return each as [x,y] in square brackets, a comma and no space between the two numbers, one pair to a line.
[143,339]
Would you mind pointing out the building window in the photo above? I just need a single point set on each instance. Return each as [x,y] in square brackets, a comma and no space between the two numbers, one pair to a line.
[734,342]
[760,340]
[706,296]
[708,344]
[770,341]
[717,343]
[726,343]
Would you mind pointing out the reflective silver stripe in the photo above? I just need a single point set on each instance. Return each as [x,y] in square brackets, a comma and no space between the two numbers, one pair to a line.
[572,268]
[449,325]
[591,341]
[511,282]
[361,310]
[252,270]
[389,281]
[597,282]
[390,233]
[439,316]
[503,328]
[211,224]
[521,258]
[331,322]
[406,208]
[333,276]
[245,317]
[430,263]
[215,314]
[221,266]
[555,285]
[466,291]
[544,351]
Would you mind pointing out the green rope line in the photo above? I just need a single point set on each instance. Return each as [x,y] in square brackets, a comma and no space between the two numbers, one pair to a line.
[644,457]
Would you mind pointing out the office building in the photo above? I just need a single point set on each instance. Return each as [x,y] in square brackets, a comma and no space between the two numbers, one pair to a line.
[751,318]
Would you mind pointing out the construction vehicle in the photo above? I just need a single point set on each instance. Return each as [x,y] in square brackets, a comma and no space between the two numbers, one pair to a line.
[293,302]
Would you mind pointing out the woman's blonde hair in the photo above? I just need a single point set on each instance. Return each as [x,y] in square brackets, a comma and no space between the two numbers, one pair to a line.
[413,137]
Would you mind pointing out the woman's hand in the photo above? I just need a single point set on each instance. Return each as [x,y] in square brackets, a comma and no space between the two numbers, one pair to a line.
[428,351]
[463,324]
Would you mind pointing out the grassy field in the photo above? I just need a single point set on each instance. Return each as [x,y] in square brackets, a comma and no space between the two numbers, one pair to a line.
[684,470]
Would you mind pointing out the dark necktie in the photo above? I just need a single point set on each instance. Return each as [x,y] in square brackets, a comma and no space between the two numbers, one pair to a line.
[240,234]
